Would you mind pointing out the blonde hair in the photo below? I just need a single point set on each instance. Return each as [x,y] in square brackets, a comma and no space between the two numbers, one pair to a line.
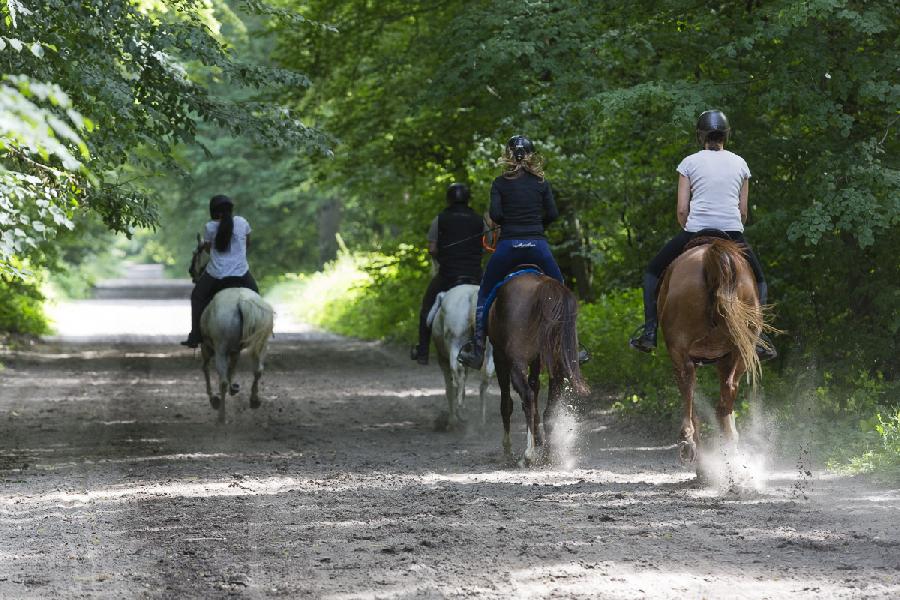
[533,163]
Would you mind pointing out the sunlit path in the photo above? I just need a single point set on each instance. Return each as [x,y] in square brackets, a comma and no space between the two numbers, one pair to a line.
[115,472]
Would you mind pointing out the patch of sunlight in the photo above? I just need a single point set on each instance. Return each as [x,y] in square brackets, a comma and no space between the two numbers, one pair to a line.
[386,393]
[619,580]
[192,488]
[558,477]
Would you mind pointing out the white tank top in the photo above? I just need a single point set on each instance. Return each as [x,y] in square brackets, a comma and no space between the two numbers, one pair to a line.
[232,263]
[716,178]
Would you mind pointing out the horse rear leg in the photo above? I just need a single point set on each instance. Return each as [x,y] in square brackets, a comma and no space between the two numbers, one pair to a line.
[534,383]
[206,356]
[505,399]
[523,388]
[257,373]
[222,369]
[685,377]
[730,371]
[450,390]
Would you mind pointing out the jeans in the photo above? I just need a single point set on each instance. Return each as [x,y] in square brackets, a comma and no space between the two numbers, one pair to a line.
[509,255]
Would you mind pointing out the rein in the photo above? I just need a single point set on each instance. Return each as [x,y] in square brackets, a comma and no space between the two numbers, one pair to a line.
[483,236]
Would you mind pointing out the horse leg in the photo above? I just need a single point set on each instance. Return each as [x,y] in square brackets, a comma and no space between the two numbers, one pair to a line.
[685,377]
[553,393]
[521,384]
[482,394]
[222,362]
[534,382]
[206,358]
[257,373]
[730,372]
[450,390]
[506,403]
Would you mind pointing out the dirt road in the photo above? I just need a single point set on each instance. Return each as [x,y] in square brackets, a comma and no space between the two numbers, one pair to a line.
[116,482]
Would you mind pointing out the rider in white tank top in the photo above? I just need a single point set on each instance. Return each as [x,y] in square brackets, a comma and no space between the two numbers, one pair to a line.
[716,178]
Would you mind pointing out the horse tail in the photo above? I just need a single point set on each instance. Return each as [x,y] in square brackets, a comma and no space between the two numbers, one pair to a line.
[744,321]
[257,323]
[557,335]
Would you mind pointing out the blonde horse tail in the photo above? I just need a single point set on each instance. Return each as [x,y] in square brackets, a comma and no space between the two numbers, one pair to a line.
[744,321]
[557,333]
[257,323]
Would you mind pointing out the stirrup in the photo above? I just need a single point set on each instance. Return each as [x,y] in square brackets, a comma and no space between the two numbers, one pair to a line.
[765,349]
[644,338]
[583,354]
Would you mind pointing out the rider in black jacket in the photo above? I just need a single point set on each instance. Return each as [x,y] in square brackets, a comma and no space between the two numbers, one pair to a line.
[454,241]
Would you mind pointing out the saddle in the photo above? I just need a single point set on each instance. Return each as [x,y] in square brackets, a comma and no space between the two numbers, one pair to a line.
[464,280]
[523,269]
[706,236]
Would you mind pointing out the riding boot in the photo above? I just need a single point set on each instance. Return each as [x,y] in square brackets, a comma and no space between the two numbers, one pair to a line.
[193,340]
[472,353]
[765,349]
[419,354]
[644,338]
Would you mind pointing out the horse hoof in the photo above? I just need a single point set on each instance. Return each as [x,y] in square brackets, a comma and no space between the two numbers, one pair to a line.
[215,402]
[255,402]
[234,389]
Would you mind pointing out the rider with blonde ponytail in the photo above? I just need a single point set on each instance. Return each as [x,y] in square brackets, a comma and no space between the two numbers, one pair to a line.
[227,237]
[522,204]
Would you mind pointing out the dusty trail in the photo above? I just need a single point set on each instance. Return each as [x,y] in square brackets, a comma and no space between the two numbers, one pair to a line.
[116,482]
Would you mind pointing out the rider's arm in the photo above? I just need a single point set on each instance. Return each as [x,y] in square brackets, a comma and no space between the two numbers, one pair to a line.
[433,238]
[742,204]
[496,210]
[248,243]
[550,211]
[684,199]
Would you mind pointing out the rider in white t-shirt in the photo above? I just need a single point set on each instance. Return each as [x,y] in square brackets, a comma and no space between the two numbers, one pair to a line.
[227,237]
[713,187]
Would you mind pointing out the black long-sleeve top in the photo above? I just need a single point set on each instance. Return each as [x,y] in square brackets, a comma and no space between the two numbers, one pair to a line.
[522,206]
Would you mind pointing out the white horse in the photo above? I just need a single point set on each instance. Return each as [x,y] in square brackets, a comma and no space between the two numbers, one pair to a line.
[235,319]
[453,319]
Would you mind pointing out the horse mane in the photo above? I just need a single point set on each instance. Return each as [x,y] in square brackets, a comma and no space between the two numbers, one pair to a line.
[556,311]
[743,320]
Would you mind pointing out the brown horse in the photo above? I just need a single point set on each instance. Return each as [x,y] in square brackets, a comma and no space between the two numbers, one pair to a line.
[710,312]
[532,324]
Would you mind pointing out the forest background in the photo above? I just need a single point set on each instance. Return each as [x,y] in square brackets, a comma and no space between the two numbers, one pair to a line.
[337,126]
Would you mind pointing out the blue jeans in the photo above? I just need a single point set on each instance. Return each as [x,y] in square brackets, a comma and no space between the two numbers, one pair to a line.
[509,255]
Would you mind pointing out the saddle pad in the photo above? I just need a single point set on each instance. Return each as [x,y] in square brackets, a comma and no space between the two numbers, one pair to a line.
[490,299]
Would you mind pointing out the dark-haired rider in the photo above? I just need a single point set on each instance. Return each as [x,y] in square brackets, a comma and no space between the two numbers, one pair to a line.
[454,241]
[227,237]
[713,188]
[522,203]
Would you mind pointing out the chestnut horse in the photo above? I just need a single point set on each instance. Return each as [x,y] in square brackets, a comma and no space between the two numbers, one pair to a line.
[532,325]
[709,312]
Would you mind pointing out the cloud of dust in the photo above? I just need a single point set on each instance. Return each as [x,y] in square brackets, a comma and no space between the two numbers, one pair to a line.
[740,468]
[566,439]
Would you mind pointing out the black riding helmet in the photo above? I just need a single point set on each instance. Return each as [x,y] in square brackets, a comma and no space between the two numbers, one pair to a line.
[712,121]
[216,203]
[519,147]
[458,193]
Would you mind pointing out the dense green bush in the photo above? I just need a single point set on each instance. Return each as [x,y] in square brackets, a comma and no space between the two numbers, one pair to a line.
[366,295]
[21,305]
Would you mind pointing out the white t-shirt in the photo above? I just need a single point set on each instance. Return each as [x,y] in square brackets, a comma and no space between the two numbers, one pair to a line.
[234,262]
[716,178]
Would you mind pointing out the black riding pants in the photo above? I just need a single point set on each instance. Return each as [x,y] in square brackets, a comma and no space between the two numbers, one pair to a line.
[673,250]
[207,287]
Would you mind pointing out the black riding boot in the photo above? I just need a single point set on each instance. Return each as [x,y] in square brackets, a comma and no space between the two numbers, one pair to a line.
[419,354]
[644,338]
[472,354]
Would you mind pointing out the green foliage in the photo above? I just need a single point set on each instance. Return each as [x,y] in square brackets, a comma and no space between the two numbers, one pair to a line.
[364,295]
[21,304]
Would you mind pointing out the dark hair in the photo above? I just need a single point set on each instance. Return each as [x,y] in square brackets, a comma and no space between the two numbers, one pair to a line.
[221,207]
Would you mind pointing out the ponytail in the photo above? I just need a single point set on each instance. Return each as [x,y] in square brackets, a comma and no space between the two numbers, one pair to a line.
[226,227]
